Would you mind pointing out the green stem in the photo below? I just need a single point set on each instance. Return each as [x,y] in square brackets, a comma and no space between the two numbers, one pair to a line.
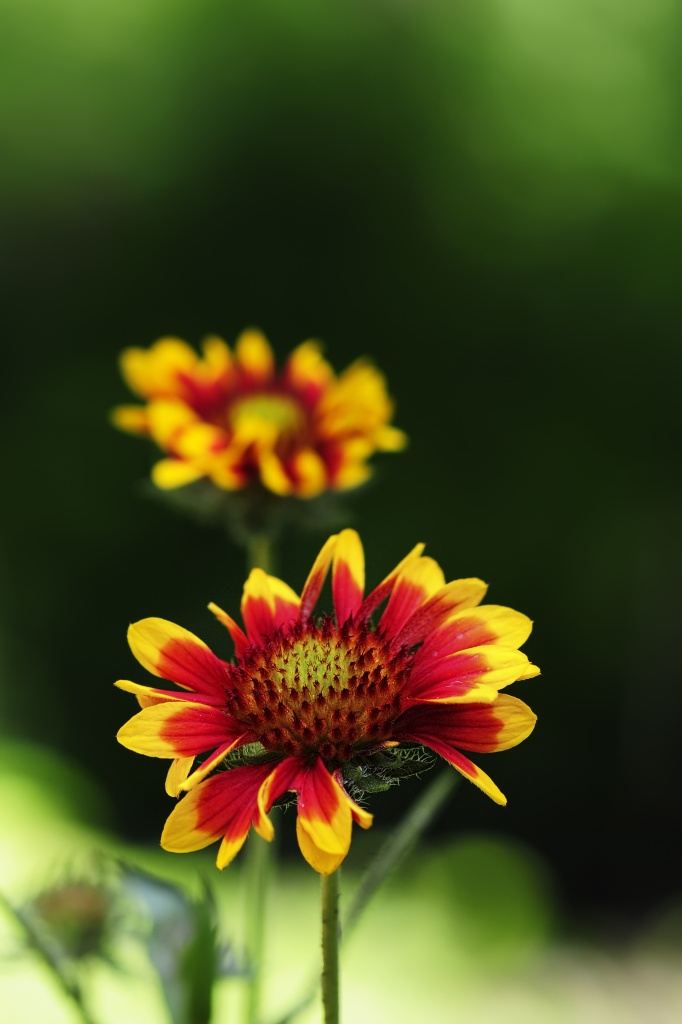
[258,875]
[330,947]
[50,959]
[399,842]
[259,555]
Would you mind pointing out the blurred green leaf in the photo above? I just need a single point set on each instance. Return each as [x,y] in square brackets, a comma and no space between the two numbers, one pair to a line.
[182,943]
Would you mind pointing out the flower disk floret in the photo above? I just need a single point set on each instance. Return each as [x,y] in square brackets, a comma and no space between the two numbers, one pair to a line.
[232,419]
[307,695]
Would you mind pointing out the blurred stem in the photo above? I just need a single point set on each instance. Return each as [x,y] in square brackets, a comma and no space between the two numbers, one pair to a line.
[259,552]
[400,841]
[406,834]
[259,555]
[329,891]
[50,959]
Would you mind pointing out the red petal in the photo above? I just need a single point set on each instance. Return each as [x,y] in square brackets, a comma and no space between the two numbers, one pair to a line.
[224,805]
[348,575]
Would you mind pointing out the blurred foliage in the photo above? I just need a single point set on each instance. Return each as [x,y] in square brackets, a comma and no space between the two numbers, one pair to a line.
[470,922]
[485,198]
[182,944]
[564,105]
[496,894]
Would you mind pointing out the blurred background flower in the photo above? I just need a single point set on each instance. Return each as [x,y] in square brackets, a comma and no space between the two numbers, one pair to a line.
[483,198]
[238,422]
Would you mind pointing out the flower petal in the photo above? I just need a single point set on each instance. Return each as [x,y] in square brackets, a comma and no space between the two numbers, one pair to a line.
[171,652]
[179,729]
[390,439]
[320,860]
[530,672]
[154,372]
[483,728]
[258,607]
[227,471]
[316,577]
[201,442]
[514,720]
[419,580]
[308,372]
[149,695]
[360,816]
[224,805]
[239,637]
[212,761]
[323,809]
[489,624]
[472,772]
[217,356]
[131,418]
[463,765]
[254,356]
[349,474]
[380,593]
[451,598]
[280,780]
[356,404]
[272,472]
[287,602]
[309,473]
[168,418]
[177,773]
[170,473]
[452,679]
[348,575]
[268,604]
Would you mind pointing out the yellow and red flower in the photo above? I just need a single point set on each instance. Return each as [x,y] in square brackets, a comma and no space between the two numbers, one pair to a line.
[311,694]
[231,418]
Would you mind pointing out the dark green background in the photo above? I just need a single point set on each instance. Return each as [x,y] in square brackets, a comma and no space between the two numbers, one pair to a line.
[483,197]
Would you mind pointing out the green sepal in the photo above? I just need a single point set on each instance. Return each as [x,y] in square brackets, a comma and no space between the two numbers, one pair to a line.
[377,771]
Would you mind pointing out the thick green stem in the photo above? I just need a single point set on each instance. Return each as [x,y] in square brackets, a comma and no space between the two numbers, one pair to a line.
[259,555]
[330,947]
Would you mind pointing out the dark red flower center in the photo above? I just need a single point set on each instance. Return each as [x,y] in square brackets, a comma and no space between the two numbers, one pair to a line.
[320,689]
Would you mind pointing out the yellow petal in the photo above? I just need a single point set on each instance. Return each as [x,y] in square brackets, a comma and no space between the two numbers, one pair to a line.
[170,473]
[132,418]
[306,366]
[310,472]
[322,861]
[177,773]
[168,418]
[272,473]
[217,355]
[154,372]
[254,354]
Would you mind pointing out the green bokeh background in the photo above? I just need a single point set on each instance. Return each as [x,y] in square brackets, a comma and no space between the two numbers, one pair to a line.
[483,197]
